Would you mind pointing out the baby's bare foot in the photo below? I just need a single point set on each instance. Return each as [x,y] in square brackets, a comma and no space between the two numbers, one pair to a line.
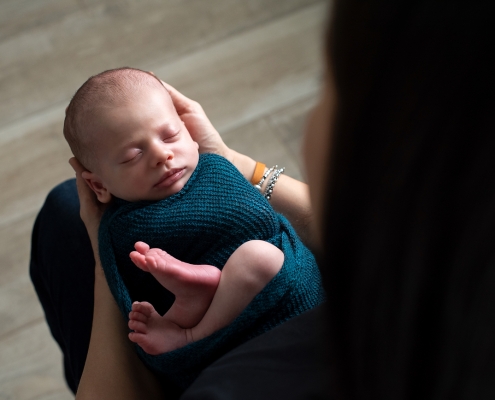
[193,285]
[153,333]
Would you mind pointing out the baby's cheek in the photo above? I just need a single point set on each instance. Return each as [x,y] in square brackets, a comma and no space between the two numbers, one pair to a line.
[129,184]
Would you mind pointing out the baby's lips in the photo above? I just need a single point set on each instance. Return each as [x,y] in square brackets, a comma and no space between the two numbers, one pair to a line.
[170,176]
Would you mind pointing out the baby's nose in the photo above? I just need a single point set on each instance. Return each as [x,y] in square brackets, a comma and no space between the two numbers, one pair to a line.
[163,155]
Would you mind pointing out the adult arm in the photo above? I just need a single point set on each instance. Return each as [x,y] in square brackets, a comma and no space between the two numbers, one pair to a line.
[290,197]
[112,369]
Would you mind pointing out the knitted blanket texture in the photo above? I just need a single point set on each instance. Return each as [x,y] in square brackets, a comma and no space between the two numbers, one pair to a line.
[215,212]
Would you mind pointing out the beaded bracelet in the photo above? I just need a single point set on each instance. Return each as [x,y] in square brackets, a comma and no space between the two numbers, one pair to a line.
[273,181]
[263,178]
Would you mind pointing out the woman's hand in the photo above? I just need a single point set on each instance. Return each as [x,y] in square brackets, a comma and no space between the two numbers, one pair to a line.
[91,209]
[204,133]
[197,123]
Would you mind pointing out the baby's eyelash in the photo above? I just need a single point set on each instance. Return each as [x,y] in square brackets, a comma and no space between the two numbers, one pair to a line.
[130,159]
[170,136]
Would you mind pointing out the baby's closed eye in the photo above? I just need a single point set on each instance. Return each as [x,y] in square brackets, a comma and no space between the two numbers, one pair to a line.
[131,156]
[170,136]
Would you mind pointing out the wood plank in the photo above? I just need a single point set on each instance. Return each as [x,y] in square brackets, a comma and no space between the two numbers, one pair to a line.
[30,167]
[258,140]
[58,55]
[15,247]
[254,73]
[30,366]
[19,306]
[22,15]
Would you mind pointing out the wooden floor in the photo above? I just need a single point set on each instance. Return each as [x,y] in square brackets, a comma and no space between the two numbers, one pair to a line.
[254,65]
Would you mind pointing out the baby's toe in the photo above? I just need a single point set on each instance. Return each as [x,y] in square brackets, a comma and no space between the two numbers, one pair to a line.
[143,307]
[138,326]
[138,316]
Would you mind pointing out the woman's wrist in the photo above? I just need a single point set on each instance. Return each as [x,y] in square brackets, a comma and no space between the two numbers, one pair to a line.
[243,163]
[247,166]
[93,238]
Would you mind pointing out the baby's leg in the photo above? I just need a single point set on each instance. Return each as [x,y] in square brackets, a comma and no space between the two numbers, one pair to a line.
[248,270]
[193,285]
[246,273]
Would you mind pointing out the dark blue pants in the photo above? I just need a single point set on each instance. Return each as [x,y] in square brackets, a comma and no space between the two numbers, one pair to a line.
[62,271]
[284,363]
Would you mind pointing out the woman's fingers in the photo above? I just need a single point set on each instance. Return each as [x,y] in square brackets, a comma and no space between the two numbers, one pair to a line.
[76,165]
[84,191]
[91,209]
[87,197]
[182,103]
[197,123]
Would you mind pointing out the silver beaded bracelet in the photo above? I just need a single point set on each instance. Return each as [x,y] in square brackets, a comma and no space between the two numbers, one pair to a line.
[263,178]
[273,181]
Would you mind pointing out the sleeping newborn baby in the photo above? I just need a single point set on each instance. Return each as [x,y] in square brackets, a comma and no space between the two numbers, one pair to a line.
[194,255]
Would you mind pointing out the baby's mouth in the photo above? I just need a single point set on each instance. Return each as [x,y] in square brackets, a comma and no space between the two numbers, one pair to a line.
[170,177]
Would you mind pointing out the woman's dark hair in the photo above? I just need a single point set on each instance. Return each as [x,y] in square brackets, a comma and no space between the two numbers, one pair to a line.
[410,219]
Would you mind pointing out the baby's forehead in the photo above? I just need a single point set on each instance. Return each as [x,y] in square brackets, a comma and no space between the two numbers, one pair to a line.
[133,110]
[130,96]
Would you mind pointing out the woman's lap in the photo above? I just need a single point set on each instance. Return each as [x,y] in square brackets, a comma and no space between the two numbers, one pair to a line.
[62,272]
[286,361]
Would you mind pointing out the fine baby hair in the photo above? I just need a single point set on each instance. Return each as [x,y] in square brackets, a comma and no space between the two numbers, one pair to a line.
[99,93]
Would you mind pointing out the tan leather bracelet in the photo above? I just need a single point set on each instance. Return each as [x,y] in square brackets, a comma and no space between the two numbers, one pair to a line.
[258,172]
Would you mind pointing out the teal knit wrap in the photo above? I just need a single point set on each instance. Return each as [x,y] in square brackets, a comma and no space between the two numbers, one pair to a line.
[215,212]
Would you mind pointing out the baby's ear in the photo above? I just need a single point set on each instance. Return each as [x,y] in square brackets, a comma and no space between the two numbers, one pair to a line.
[97,186]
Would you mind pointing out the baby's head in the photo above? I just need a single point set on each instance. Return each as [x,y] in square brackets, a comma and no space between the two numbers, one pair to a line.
[123,127]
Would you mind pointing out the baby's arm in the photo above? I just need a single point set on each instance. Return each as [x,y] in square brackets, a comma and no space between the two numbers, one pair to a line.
[245,274]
